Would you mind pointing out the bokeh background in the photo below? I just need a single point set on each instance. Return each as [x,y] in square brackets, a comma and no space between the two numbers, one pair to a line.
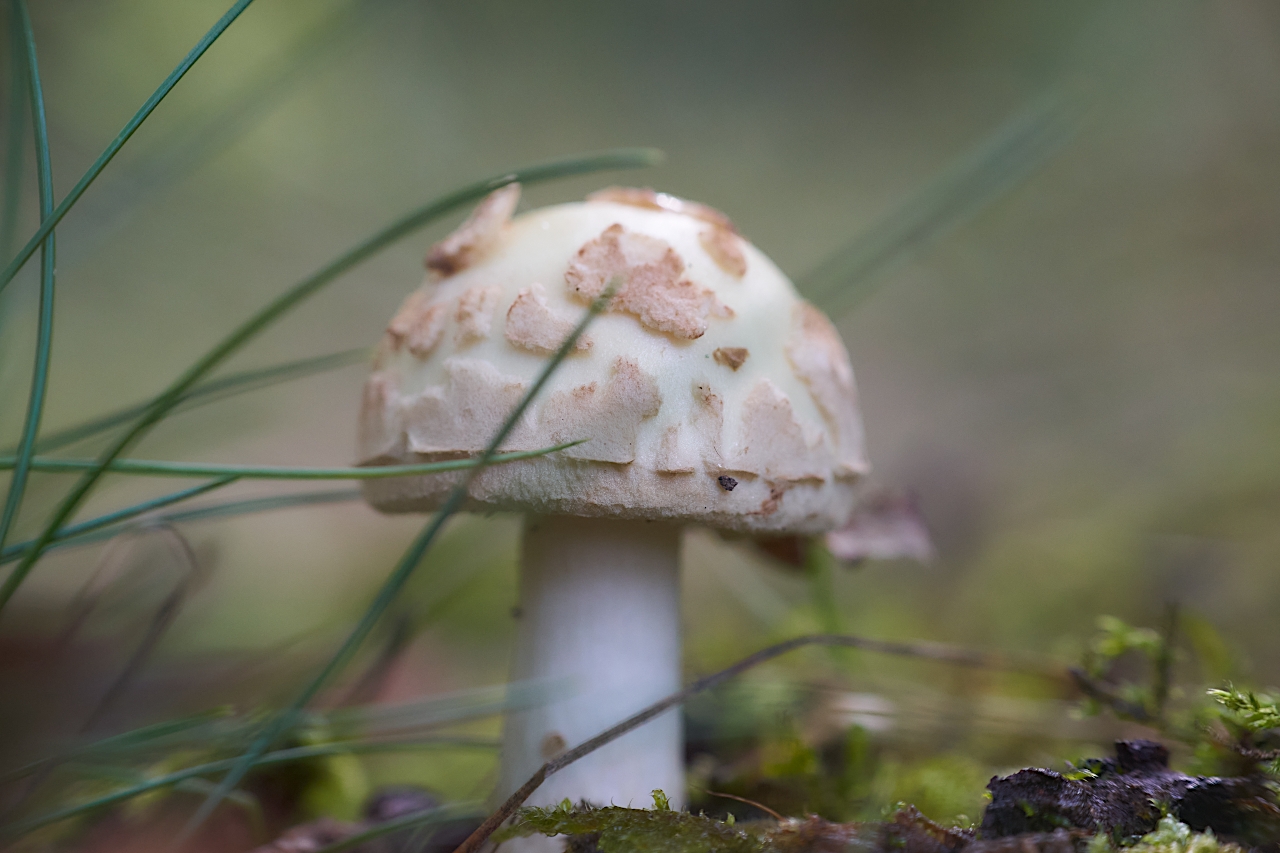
[1078,379]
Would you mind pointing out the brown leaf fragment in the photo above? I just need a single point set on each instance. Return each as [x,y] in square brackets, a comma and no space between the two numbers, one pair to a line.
[730,357]
[649,199]
[725,248]
[533,325]
[651,288]
[886,526]
[419,324]
[477,235]
[474,315]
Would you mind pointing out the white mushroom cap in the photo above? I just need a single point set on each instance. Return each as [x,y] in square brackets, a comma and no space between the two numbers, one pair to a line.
[709,390]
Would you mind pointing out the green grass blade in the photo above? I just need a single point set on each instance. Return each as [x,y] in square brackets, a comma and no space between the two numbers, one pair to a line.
[395,582]
[208,392]
[44,333]
[283,756]
[144,735]
[13,148]
[152,468]
[49,223]
[164,403]
[414,820]
[995,166]
[13,552]
[228,509]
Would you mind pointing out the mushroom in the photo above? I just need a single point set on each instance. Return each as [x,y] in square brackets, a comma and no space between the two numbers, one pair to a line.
[708,393]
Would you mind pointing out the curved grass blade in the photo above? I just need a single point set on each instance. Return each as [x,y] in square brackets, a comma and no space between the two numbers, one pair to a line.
[183,148]
[14,155]
[125,740]
[13,552]
[996,165]
[399,576]
[49,223]
[44,333]
[160,407]
[413,820]
[283,756]
[247,506]
[153,468]
[209,392]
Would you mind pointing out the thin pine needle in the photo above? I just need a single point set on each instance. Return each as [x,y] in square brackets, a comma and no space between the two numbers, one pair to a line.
[156,468]
[995,166]
[399,577]
[163,404]
[44,334]
[47,224]
[179,150]
[227,509]
[119,516]
[14,159]
[208,392]
[414,820]
[283,756]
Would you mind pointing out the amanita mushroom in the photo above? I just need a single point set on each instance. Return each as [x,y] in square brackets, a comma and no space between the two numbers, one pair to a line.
[710,393]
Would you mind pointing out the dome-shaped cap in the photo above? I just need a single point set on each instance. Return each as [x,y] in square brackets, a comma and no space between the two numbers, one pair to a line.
[709,390]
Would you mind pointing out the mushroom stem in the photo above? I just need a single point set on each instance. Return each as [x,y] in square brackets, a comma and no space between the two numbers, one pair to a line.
[600,621]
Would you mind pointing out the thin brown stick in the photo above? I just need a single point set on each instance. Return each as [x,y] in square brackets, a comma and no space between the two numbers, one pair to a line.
[1095,690]
[927,651]
[761,806]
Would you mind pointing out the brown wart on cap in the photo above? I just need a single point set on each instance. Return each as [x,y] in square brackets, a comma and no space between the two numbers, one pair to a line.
[730,357]
[460,415]
[381,428]
[652,288]
[674,456]
[608,417]
[474,316]
[532,325]
[819,359]
[725,248]
[477,235]
[419,324]
[652,200]
[774,444]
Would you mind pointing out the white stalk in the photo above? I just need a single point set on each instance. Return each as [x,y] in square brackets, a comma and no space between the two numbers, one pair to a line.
[599,620]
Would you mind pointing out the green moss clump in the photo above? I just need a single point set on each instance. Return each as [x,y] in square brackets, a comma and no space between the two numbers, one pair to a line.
[621,830]
[1171,836]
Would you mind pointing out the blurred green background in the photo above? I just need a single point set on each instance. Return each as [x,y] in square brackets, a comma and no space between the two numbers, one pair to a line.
[1080,381]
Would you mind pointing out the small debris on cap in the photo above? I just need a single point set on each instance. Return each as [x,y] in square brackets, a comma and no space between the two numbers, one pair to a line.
[477,235]
[533,325]
[651,200]
[652,285]
[730,357]
[727,483]
[725,248]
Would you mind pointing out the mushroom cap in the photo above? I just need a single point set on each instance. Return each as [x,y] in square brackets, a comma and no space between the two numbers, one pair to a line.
[709,391]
